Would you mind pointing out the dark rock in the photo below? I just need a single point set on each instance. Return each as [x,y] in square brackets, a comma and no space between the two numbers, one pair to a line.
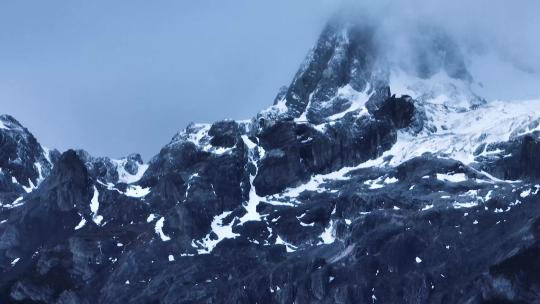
[224,134]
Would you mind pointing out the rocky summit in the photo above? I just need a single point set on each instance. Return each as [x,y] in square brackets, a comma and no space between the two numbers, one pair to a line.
[365,182]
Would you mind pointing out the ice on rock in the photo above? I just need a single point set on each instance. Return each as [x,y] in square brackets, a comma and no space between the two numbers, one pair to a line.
[453,178]
[465,205]
[358,101]
[457,122]
[159,230]
[525,193]
[137,191]
[29,188]
[327,236]
[288,247]
[124,176]
[3,126]
[222,232]
[150,218]
[94,207]
[15,261]
[254,198]
[16,203]
[81,223]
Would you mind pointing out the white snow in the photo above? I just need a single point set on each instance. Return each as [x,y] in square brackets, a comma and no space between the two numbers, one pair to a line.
[15,261]
[159,230]
[303,117]
[16,203]
[459,134]
[30,188]
[3,126]
[222,232]
[254,199]
[40,173]
[453,178]
[150,218]
[137,191]
[126,177]
[94,207]
[275,111]
[81,223]
[391,180]
[198,135]
[328,235]
[465,205]
[488,195]
[314,184]
[358,101]
[288,247]
[525,193]
[94,203]
[171,258]
[455,129]
[379,182]
[418,260]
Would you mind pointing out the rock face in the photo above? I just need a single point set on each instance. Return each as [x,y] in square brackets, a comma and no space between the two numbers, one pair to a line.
[353,187]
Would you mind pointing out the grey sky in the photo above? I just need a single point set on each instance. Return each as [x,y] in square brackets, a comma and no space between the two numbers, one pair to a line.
[115,77]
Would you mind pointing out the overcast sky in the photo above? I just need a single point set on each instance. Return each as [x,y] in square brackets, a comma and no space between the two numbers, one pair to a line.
[116,77]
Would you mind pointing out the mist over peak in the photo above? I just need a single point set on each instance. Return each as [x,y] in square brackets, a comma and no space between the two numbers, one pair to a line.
[483,42]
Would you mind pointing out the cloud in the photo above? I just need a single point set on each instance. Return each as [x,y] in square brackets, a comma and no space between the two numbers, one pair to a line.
[503,35]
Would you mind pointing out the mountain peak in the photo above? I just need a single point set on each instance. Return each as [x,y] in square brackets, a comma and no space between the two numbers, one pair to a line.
[351,62]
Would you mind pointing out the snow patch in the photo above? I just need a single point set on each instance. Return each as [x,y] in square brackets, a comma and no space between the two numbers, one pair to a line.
[159,230]
[358,101]
[465,205]
[15,261]
[126,177]
[453,178]
[136,191]
[254,199]
[3,126]
[222,232]
[328,235]
[525,193]
[150,218]
[81,223]
[94,207]
[288,247]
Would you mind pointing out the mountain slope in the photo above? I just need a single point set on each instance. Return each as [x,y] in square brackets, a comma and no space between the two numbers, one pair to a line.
[365,182]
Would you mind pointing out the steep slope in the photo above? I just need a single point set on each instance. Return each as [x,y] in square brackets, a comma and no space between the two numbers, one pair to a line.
[365,182]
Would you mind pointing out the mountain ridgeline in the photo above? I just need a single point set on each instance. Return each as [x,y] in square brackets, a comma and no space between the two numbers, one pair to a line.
[366,181]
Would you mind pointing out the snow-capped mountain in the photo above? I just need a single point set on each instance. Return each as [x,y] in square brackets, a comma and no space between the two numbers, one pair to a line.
[367,181]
